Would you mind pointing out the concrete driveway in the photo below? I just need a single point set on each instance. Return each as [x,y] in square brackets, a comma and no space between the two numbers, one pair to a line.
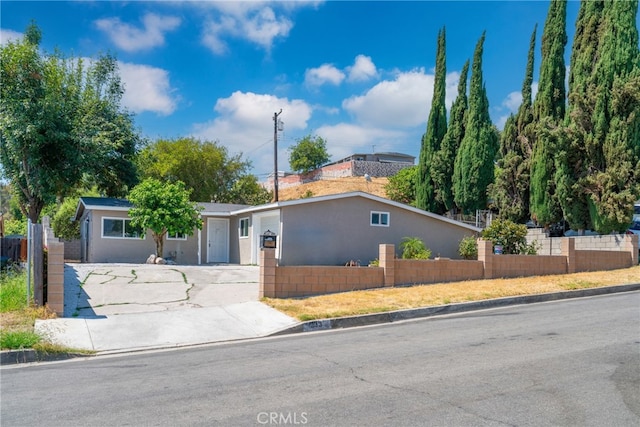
[123,307]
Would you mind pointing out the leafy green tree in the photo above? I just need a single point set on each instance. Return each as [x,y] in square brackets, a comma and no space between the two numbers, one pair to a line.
[308,153]
[548,113]
[474,164]
[63,224]
[248,191]
[510,191]
[432,139]
[401,187]
[163,207]
[59,121]
[205,167]
[444,160]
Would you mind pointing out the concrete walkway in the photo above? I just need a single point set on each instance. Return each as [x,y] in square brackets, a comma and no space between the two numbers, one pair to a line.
[125,307]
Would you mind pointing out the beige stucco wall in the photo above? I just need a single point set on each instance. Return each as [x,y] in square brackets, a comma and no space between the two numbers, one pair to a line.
[333,232]
[110,250]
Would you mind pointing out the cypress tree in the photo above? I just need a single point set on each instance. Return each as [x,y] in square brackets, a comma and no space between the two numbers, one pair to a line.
[510,192]
[613,184]
[432,139]
[443,162]
[473,168]
[548,113]
[572,158]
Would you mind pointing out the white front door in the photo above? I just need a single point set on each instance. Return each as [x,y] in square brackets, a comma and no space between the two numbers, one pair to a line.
[217,240]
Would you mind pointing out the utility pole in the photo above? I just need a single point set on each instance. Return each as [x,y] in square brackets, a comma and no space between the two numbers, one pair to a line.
[275,154]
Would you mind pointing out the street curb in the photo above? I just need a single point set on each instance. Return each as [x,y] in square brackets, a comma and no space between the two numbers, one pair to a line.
[28,355]
[416,313]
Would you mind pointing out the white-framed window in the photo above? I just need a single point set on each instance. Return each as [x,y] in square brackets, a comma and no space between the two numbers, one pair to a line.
[244,227]
[119,228]
[379,219]
[176,236]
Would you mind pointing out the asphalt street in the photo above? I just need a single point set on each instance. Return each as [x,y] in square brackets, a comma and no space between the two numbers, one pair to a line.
[571,362]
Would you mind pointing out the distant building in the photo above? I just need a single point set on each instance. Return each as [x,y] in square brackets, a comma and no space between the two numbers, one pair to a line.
[374,165]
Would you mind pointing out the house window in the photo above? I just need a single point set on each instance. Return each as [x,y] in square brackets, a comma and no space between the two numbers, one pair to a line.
[380,219]
[244,227]
[176,236]
[120,228]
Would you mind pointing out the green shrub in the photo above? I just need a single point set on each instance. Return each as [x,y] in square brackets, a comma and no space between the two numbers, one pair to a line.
[468,248]
[510,235]
[413,248]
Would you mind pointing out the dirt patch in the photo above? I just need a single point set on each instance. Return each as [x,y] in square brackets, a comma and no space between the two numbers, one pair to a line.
[334,186]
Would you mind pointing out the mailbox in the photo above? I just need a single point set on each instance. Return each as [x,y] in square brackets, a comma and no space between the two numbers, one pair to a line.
[268,240]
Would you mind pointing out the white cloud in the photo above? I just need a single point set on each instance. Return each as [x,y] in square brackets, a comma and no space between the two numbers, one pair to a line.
[146,89]
[512,101]
[131,38]
[363,69]
[245,124]
[254,22]
[345,139]
[9,35]
[325,73]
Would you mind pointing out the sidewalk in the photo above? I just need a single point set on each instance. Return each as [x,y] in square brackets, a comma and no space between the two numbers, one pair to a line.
[125,307]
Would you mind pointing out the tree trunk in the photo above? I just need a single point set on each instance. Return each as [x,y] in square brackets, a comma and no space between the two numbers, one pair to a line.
[159,239]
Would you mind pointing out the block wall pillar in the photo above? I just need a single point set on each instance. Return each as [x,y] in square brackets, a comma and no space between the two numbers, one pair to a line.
[387,258]
[568,249]
[631,244]
[267,273]
[55,277]
[485,254]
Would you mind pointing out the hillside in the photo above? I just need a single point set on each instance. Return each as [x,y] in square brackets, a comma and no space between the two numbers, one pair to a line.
[334,186]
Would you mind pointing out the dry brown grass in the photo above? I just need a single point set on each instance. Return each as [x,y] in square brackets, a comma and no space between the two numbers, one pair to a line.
[335,186]
[398,298]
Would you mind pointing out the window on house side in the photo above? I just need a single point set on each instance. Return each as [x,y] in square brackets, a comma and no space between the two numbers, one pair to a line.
[119,228]
[244,227]
[380,219]
[176,236]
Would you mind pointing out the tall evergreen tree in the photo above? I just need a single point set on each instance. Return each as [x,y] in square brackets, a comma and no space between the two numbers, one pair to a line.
[571,155]
[510,192]
[444,160]
[474,164]
[600,167]
[432,139]
[548,113]
[614,183]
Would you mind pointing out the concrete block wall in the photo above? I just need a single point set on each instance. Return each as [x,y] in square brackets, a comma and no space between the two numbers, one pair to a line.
[602,260]
[553,245]
[55,269]
[297,281]
[410,271]
[72,250]
[318,280]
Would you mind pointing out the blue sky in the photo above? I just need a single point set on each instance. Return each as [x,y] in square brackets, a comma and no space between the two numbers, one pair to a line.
[358,73]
